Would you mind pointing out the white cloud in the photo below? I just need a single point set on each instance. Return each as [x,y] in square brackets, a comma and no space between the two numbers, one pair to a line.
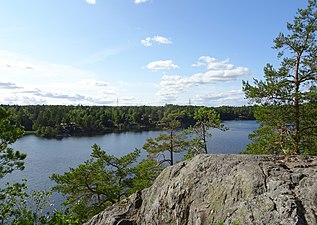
[25,79]
[213,64]
[8,85]
[22,100]
[162,40]
[162,65]
[172,86]
[221,97]
[91,1]
[147,42]
[93,83]
[57,97]
[140,1]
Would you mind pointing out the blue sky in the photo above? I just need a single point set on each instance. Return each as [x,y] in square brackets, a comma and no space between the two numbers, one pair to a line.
[139,52]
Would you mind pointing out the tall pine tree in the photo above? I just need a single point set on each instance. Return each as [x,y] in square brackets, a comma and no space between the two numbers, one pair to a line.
[287,97]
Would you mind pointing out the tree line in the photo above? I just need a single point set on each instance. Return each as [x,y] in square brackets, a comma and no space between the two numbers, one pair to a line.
[59,121]
[103,179]
[286,110]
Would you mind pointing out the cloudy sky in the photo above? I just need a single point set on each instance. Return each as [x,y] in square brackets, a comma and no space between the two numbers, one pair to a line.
[136,52]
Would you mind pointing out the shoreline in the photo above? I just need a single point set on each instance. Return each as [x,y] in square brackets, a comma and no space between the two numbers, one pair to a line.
[93,133]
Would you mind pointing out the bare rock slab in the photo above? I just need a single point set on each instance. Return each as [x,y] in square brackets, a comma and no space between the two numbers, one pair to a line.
[210,189]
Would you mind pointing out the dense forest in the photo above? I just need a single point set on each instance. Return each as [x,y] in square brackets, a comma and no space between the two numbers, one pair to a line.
[59,121]
[103,179]
[286,110]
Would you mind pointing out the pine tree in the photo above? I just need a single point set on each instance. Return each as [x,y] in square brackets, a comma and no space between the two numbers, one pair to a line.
[10,160]
[171,142]
[206,118]
[103,180]
[287,97]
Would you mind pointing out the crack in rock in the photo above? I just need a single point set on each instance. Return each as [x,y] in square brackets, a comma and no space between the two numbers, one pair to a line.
[209,189]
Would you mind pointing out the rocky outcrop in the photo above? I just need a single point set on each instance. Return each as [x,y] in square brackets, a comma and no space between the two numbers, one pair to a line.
[210,189]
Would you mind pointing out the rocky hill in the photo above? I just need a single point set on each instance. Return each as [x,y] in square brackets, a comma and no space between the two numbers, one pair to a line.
[210,189]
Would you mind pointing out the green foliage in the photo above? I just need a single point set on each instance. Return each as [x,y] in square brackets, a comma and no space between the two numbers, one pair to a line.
[206,118]
[16,206]
[52,120]
[172,141]
[287,98]
[11,197]
[193,139]
[103,180]
[10,131]
[144,175]
[236,223]
[10,160]
[19,208]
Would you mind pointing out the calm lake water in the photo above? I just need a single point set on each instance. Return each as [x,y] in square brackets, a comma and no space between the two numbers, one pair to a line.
[48,156]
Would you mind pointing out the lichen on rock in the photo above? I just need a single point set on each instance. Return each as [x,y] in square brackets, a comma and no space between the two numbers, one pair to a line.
[210,189]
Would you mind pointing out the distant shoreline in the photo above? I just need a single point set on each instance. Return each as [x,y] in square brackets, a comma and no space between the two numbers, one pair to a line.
[92,133]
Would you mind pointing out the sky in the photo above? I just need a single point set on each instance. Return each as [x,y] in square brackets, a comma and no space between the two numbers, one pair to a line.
[137,52]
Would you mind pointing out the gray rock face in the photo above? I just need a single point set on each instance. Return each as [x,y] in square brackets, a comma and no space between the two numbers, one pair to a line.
[210,189]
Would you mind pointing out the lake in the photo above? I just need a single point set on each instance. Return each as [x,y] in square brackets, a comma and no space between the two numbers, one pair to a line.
[48,156]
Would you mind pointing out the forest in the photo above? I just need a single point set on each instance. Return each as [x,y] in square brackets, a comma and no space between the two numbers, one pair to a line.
[286,100]
[60,121]
[103,179]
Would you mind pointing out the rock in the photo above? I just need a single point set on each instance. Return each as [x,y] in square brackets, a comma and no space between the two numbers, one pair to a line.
[123,213]
[210,189]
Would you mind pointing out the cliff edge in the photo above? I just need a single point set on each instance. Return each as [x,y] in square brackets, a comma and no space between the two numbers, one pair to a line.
[210,189]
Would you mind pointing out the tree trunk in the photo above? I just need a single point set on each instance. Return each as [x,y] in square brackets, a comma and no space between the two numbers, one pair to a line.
[172,148]
[204,138]
[297,136]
